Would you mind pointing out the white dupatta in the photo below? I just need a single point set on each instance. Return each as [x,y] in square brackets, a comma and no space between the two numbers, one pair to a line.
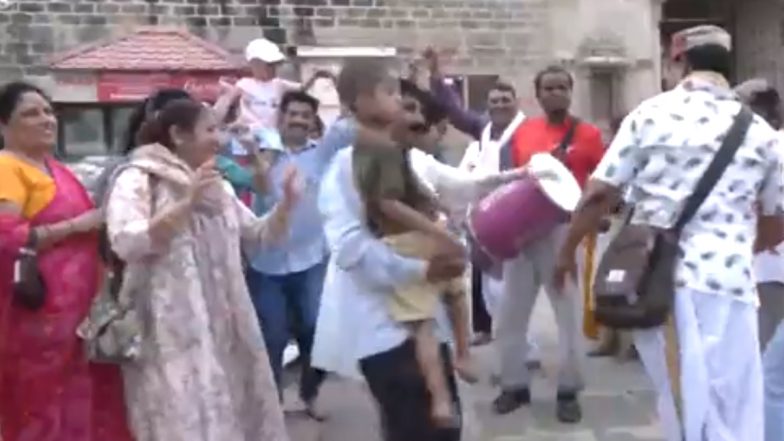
[484,156]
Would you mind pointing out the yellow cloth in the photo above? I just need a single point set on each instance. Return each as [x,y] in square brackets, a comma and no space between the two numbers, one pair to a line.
[25,185]
[590,326]
[418,301]
[673,361]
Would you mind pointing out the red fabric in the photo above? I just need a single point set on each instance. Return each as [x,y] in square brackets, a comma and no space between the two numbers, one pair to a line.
[537,135]
[48,390]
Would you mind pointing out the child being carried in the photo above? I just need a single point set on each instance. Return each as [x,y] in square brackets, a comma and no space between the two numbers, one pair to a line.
[406,216]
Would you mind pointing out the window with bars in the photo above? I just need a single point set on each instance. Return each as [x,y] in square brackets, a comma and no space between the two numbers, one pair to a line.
[91,130]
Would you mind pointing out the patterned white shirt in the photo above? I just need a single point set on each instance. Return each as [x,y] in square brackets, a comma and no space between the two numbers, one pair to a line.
[663,148]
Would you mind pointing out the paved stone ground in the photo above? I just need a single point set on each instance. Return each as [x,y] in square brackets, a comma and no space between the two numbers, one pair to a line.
[618,404]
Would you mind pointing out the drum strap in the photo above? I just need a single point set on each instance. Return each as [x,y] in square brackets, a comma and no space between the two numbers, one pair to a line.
[560,151]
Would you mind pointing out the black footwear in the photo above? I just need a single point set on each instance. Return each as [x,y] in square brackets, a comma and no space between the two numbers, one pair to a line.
[568,409]
[533,365]
[511,400]
[312,412]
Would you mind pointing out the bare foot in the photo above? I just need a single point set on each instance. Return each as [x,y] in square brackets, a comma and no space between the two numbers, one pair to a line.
[466,370]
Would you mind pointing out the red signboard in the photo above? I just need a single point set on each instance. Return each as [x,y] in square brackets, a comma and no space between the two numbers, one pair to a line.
[125,87]
[113,87]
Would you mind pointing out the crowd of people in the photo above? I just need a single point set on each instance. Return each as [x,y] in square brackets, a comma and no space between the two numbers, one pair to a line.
[245,223]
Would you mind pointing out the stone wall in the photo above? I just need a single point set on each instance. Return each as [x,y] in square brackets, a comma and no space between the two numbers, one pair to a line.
[510,38]
[498,34]
[759,37]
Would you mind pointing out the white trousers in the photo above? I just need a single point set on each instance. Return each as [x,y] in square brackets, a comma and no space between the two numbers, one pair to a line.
[773,365]
[524,276]
[492,293]
[771,310]
[720,372]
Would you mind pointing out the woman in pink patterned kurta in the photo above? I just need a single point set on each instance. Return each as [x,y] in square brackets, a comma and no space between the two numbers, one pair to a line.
[203,373]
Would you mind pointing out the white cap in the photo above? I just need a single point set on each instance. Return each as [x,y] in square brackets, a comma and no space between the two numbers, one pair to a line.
[264,50]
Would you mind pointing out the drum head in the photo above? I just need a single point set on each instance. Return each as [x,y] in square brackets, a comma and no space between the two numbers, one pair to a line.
[562,188]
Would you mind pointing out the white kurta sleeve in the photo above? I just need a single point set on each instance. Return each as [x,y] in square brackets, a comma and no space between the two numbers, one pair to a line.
[456,188]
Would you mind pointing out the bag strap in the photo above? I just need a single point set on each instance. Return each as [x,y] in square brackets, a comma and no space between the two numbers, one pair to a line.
[560,151]
[722,159]
[116,264]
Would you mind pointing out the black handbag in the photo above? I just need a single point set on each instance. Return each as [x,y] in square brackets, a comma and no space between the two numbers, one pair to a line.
[29,289]
[635,281]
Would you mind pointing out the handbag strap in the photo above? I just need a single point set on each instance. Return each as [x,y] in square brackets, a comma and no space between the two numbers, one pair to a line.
[722,159]
[112,260]
[560,151]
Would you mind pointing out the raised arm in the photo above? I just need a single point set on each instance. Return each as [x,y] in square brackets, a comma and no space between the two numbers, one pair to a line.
[457,188]
[467,121]
[319,74]
[135,229]
[258,232]
[342,133]
[229,95]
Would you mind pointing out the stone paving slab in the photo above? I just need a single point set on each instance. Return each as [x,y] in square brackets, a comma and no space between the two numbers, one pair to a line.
[618,403]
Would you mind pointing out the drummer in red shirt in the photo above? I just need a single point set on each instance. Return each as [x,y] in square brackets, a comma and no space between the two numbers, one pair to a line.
[544,133]
[579,145]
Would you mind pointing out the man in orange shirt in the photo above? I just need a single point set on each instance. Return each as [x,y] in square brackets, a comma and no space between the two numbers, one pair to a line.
[579,145]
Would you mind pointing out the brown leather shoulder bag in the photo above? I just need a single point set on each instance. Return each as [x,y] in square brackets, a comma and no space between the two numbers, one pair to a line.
[634,286]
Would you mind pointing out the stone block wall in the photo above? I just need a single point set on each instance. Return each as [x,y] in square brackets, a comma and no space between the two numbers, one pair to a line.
[510,38]
[759,38]
[489,36]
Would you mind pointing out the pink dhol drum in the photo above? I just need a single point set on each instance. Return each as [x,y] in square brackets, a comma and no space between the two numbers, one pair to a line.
[522,211]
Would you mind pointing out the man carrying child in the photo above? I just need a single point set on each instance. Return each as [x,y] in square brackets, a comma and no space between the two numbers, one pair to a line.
[373,214]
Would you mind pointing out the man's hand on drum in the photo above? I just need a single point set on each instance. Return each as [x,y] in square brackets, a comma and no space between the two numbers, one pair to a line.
[519,173]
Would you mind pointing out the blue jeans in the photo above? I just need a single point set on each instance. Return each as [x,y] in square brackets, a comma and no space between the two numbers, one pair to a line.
[295,296]
[773,365]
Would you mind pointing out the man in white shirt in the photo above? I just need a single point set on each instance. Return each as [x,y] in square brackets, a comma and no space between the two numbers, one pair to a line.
[764,100]
[706,364]
[354,322]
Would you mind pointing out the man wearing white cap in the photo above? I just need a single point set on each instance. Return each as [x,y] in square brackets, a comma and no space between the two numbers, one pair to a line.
[260,94]
[705,361]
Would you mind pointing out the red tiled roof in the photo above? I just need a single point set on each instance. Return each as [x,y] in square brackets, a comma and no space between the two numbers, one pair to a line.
[148,49]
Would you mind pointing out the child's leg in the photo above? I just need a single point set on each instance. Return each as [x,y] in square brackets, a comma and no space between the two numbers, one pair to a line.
[457,309]
[429,359]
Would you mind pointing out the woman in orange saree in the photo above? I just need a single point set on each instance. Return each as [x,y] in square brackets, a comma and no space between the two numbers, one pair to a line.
[48,389]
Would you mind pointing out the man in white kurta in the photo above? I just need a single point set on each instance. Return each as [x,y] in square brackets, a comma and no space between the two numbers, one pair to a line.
[765,101]
[706,364]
